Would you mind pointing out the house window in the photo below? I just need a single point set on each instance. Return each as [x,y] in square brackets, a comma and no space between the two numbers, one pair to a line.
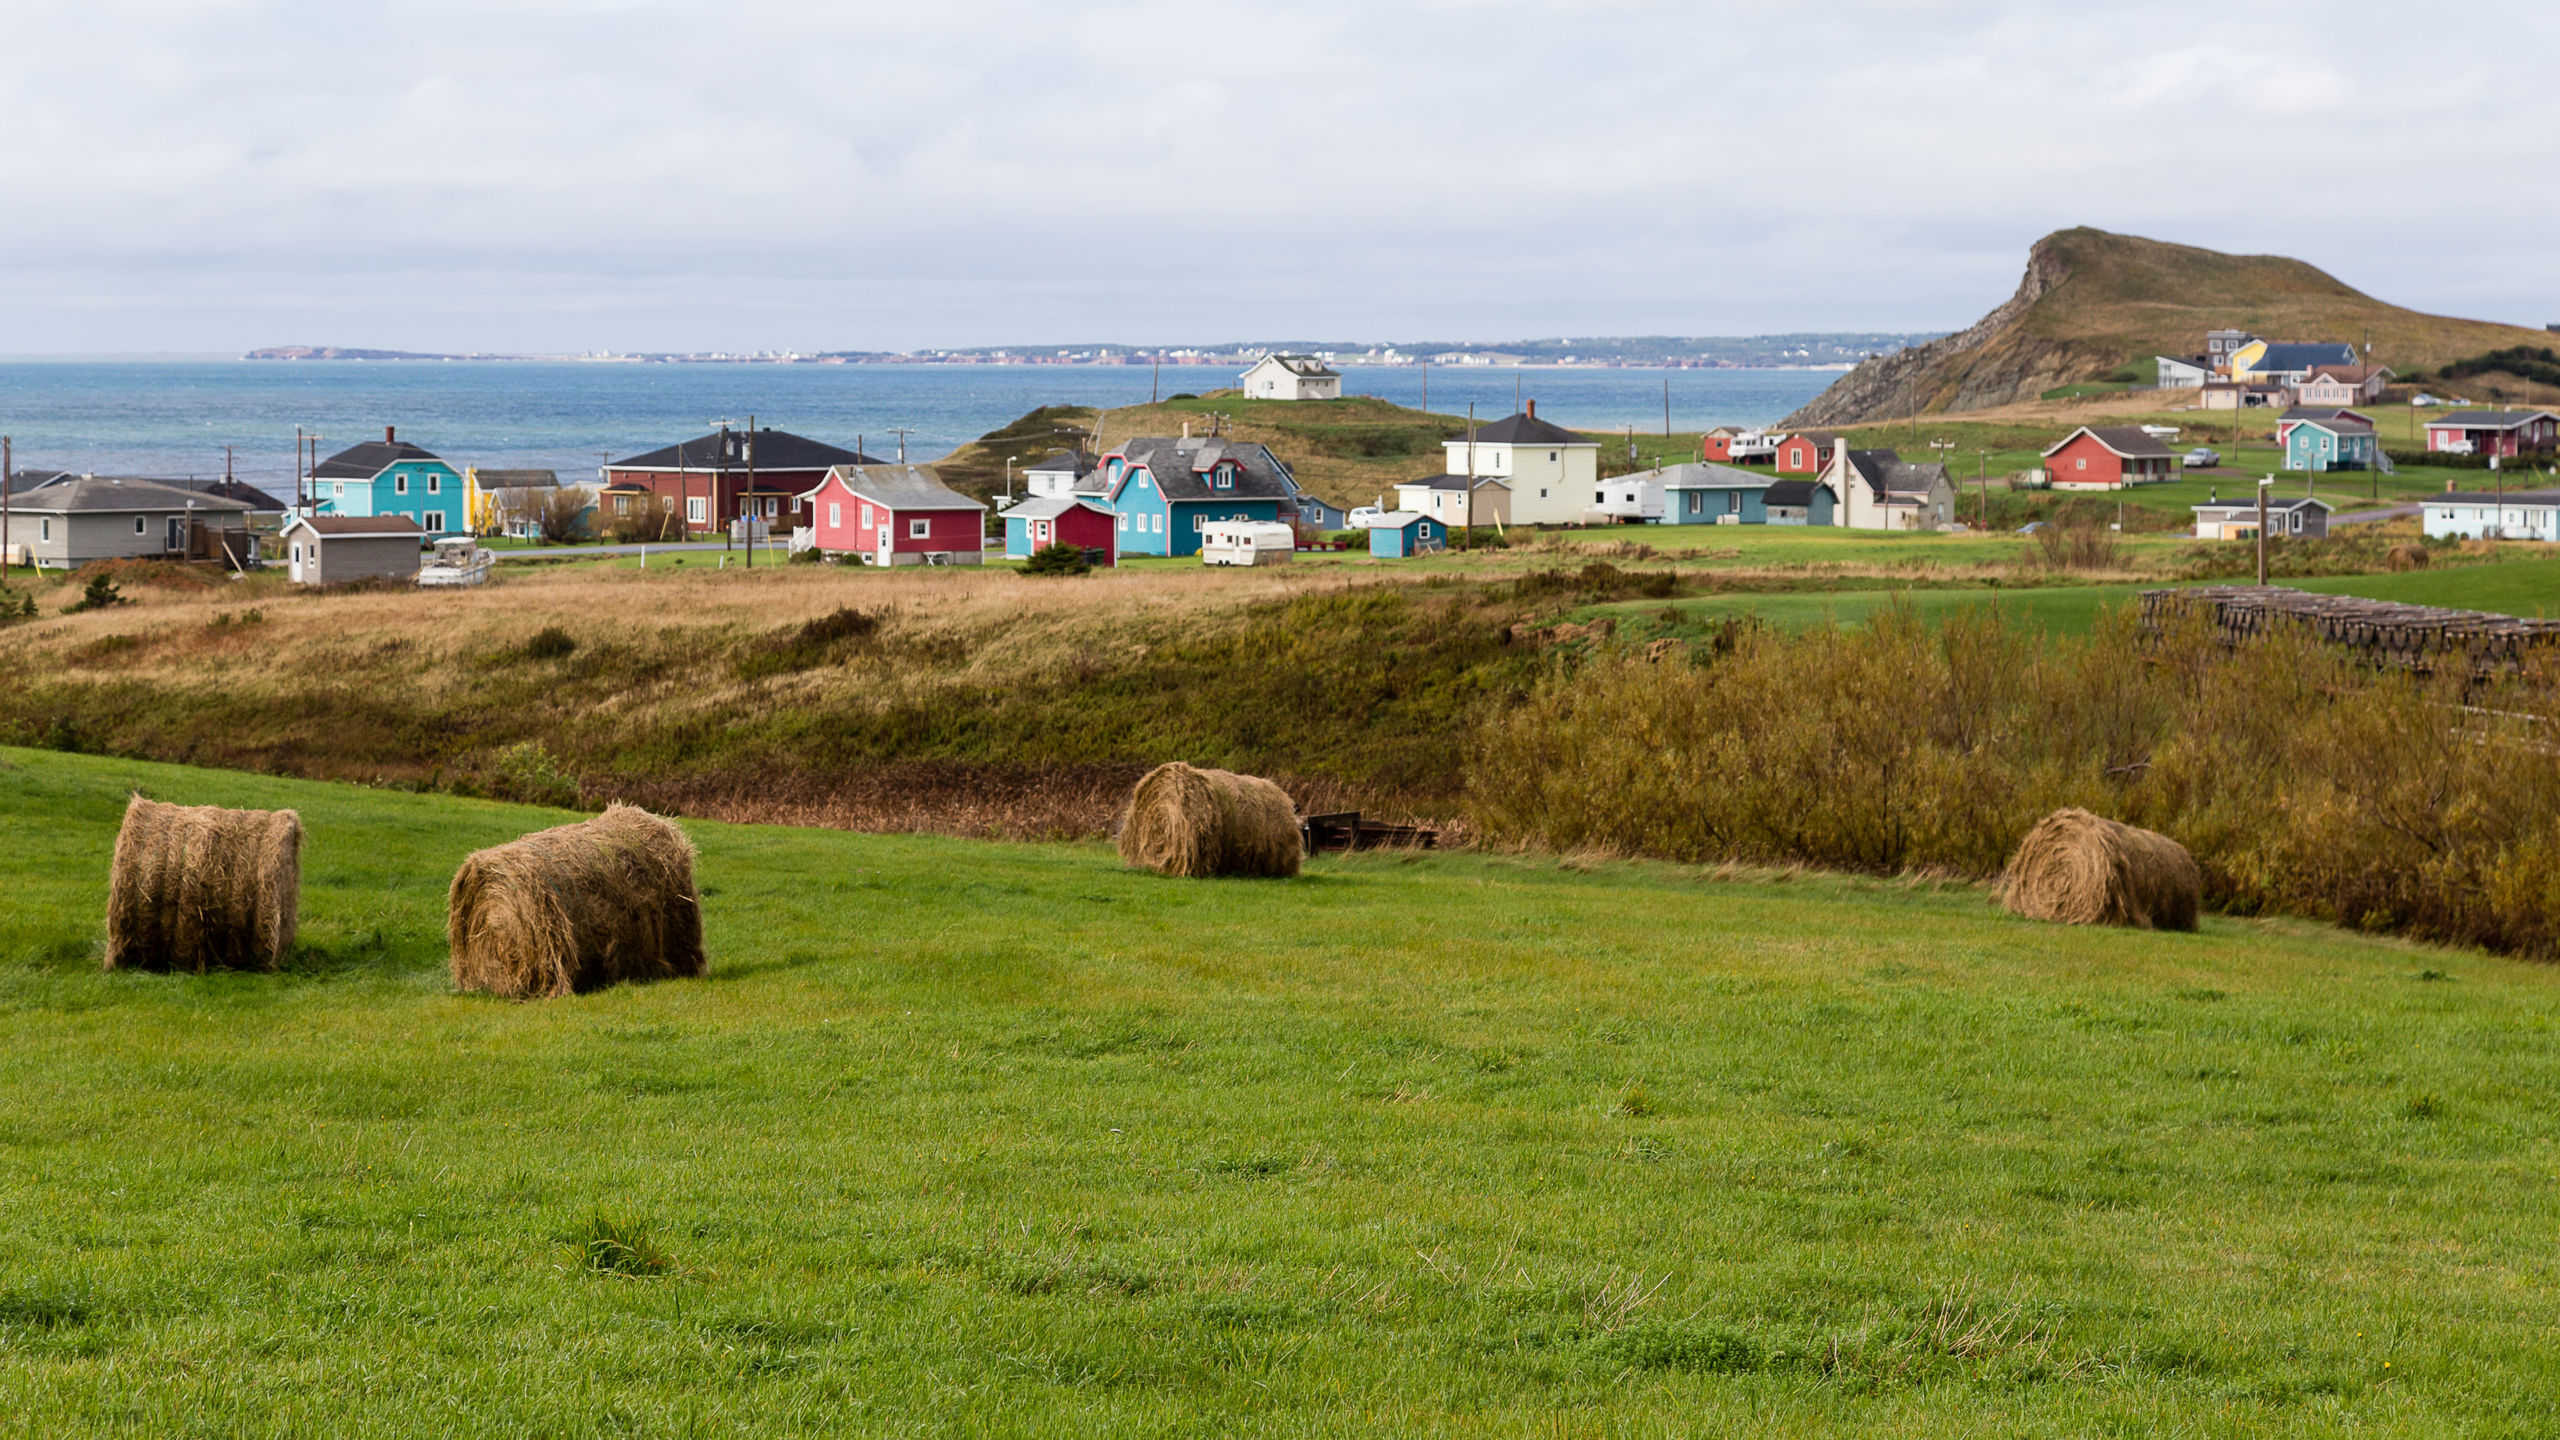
[1599,497]
[338,491]
[697,509]
[1551,457]
[399,484]
[297,554]
[835,517]
[920,529]
[2080,464]
[1197,522]
[1124,524]
[435,522]
[1159,524]
[137,525]
[1733,502]
[45,531]
[435,483]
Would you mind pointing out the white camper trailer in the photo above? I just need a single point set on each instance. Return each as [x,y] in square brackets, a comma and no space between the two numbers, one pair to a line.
[1247,542]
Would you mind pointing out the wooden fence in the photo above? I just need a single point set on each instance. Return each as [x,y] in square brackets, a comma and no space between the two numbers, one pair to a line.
[2382,632]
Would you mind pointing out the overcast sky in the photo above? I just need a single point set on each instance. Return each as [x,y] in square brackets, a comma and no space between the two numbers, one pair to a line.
[766,174]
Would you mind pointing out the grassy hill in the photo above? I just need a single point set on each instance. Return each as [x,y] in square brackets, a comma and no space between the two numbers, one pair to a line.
[2093,302]
[969,1138]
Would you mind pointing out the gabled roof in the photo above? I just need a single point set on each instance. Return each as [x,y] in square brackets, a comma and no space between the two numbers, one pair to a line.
[1451,482]
[2300,355]
[2130,442]
[2321,412]
[1060,462]
[725,450]
[1305,367]
[1694,476]
[358,527]
[26,480]
[516,479]
[1050,507]
[2489,419]
[258,501]
[1396,519]
[1181,467]
[1894,480]
[123,497]
[1523,430]
[2351,374]
[2274,507]
[363,462]
[1818,437]
[1788,493]
[2341,422]
[901,487]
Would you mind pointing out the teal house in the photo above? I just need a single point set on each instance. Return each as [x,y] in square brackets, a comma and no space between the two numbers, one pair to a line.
[390,477]
[1714,495]
[1403,534]
[1164,490]
[2335,442]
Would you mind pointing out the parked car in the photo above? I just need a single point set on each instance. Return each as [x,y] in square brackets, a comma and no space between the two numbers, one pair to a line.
[2201,457]
[1364,517]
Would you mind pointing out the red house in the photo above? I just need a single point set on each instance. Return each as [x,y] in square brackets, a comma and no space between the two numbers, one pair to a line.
[1041,521]
[1807,454]
[1716,446]
[2106,457]
[895,515]
[716,478]
[2494,432]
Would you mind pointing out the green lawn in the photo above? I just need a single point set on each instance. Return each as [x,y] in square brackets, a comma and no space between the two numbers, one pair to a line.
[964,1138]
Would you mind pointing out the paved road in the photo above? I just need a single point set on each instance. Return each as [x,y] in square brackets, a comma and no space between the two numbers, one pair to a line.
[553,552]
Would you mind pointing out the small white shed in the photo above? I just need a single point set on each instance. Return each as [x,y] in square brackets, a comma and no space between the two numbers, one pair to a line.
[341,549]
[1247,542]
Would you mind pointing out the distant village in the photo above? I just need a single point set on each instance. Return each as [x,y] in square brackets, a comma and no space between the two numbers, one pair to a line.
[393,510]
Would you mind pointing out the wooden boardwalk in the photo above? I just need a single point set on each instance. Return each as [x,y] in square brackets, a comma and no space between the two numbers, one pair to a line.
[2383,632]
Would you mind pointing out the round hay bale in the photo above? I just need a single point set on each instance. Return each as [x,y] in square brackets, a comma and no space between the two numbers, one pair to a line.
[576,908]
[2084,869]
[198,887]
[2406,557]
[1194,823]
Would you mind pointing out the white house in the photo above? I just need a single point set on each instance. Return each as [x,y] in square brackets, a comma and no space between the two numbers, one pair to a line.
[1291,377]
[2180,374]
[1444,498]
[1552,472]
[2515,515]
[1879,490]
[1061,474]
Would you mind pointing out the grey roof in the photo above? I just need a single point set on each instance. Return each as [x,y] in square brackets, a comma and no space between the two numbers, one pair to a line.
[2316,412]
[2336,422]
[1050,507]
[124,497]
[1180,467]
[2489,419]
[1790,493]
[517,479]
[356,525]
[26,480]
[2274,506]
[903,487]
[2132,442]
[363,462]
[1695,476]
[1306,366]
[726,450]
[1452,482]
[2303,356]
[1894,479]
[1524,430]
[258,501]
[2485,497]
[1062,462]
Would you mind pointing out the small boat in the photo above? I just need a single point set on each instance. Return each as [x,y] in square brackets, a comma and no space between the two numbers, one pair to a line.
[458,561]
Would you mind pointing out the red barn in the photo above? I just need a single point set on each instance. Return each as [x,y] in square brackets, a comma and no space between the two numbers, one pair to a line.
[706,480]
[895,515]
[1808,454]
[2106,457]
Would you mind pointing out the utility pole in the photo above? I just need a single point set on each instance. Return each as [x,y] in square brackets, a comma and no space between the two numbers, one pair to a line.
[753,504]
[2263,487]
[1426,387]
[902,432]
[1155,387]
[8,484]
[301,502]
[1666,407]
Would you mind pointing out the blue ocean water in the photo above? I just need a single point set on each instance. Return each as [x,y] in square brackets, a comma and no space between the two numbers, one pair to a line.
[173,418]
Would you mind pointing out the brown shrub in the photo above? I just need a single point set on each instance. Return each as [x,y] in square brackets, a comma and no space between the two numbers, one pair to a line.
[576,908]
[2084,869]
[1195,823]
[2407,557]
[197,887]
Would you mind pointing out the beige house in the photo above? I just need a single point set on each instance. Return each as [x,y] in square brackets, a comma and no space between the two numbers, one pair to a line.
[1291,377]
[2343,385]
[67,524]
[342,549]
[1553,473]
[1879,490]
[1444,498]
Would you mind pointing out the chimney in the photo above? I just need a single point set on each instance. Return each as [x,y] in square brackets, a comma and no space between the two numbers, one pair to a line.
[1186,429]
[389,438]
[1533,409]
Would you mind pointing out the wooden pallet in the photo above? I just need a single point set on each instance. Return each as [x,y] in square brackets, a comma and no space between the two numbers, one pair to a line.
[2383,632]
[1345,830]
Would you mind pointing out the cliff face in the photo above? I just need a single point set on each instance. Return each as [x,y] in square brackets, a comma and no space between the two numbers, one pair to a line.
[2092,301]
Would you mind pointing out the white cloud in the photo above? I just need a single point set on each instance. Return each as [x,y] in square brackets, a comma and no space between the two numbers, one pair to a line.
[553,174]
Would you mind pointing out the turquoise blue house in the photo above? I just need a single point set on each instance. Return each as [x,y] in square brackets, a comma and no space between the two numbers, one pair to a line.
[1403,534]
[1163,490]
[390,476]
[1714,495]
[2337,442]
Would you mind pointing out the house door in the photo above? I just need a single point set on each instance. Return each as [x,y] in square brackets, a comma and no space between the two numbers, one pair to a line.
[177,533]
[888,552]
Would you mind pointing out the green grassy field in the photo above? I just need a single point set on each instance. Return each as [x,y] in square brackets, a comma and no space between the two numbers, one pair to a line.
[967,1138]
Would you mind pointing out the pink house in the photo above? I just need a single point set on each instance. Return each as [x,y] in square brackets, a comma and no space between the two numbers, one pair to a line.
[895,515]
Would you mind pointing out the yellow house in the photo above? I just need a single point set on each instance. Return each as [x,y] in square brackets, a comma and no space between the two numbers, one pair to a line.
[495,500]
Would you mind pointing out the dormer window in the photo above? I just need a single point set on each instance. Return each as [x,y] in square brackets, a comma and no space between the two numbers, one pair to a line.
[1226,477]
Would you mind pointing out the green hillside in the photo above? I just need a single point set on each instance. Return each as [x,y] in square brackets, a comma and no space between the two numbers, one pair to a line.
[966,1138]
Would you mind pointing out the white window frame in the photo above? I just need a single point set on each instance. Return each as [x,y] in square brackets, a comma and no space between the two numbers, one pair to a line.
[141,525]
[835,515]
[46,531]
[697,509]
[435,522]
[400,484]
[920,528]
[435,483]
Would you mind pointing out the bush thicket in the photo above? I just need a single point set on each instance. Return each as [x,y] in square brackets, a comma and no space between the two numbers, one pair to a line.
[2302,781]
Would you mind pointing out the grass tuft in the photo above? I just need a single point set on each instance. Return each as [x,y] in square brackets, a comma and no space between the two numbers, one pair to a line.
[621,1245]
